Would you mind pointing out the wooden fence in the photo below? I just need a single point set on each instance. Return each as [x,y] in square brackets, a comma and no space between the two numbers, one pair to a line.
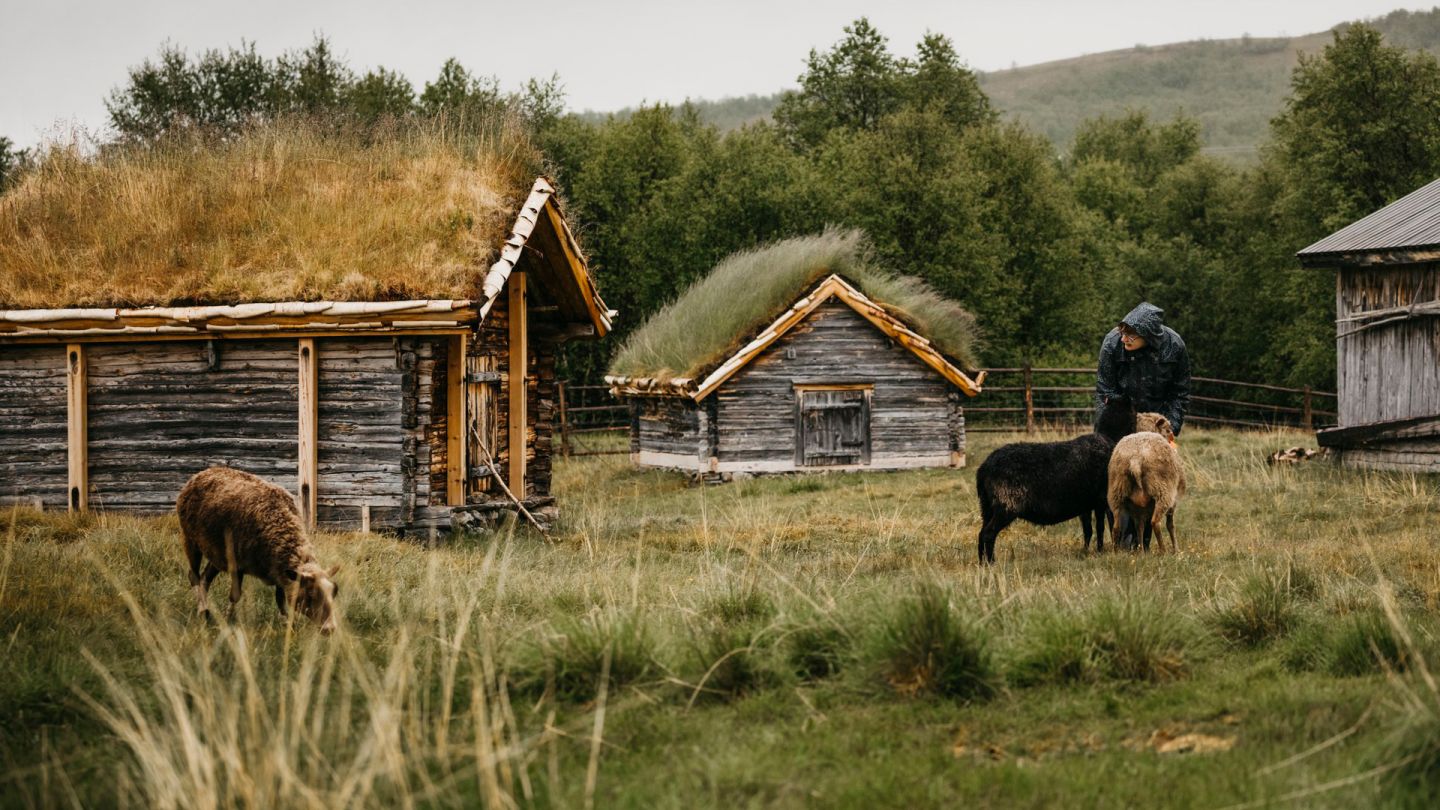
[1015,399]
[1027,398]
[590,418]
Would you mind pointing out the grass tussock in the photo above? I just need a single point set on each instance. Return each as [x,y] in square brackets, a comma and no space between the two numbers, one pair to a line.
[1264,606]
[1121,637]
[572,662]
[722,311]
[927,648]
[292,210]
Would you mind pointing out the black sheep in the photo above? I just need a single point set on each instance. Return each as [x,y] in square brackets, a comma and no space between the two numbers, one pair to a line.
[1051,482]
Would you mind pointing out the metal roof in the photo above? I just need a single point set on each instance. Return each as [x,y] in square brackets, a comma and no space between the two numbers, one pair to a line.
[1409,223]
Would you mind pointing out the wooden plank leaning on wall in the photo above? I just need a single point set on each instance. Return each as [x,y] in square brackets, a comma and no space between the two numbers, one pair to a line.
[78,428]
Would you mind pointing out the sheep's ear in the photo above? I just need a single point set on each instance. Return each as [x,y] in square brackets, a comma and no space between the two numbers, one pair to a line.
[333,572]
[291,574]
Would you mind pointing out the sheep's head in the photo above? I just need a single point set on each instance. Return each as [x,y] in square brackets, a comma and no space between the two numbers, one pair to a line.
[1154,423]
[312,591]
[1117,418]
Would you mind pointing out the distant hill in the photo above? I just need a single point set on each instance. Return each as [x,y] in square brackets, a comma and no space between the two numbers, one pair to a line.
[1232,86]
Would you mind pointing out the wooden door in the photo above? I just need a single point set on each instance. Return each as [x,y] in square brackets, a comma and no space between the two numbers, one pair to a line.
[482,382]
[832,427]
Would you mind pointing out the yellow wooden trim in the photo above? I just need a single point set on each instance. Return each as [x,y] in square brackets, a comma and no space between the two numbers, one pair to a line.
[77,428]
[836,387]
[20,338]
[308,475]
[455,422]
[519,359]
[577,268]
[835,287]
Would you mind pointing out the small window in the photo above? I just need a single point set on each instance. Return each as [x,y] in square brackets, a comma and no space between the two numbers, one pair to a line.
[832,425]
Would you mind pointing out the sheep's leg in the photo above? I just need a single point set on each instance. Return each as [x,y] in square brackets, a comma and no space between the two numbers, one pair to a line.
[237,577]
[280,599]
[1101,518]
[1170,528]
[1085,527]
[1120,527]
[992,528]
[1145,531]
[202,588]
[1156,518]
[193,557]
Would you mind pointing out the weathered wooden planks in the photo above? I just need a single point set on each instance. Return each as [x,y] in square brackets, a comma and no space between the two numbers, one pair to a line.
[159,413]
[1390,371]
[33,424]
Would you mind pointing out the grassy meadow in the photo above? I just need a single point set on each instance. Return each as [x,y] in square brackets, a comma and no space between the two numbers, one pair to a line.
[788,641]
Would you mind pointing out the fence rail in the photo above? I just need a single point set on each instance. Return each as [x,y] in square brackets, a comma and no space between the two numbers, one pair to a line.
[587,414]
[1027,399]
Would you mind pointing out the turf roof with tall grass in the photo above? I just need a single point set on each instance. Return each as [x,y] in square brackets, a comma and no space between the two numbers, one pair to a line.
[291,210]
[723,311]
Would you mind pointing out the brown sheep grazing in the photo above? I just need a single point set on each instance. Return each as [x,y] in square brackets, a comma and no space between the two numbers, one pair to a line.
[1146,479]
[246,525]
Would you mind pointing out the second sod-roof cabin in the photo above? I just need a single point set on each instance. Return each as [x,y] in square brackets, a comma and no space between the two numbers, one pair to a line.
[1387,341]
[799,356]
[371,323]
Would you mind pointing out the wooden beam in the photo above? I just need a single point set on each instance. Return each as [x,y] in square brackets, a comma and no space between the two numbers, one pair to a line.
[78,421]
[455,422]
[519,358]
[309,470]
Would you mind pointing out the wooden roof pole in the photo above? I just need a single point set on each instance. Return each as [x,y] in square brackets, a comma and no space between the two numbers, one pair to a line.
[308,474]
[519,358]
[77,491]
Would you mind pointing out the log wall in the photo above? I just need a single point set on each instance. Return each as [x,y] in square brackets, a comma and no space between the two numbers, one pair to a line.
[669,432]
[162,411]
[1387,372]
[33,425]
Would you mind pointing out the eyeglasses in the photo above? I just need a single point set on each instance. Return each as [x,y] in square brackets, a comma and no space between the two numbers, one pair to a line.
[1127,335]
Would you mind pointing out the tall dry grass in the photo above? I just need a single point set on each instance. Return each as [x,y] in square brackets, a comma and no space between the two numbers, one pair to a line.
[747,638]
[297,209]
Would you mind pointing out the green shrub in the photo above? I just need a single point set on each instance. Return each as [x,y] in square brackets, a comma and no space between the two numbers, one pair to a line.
[926,648]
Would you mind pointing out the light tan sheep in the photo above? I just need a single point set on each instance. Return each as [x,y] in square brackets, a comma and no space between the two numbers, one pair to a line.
[1146,479]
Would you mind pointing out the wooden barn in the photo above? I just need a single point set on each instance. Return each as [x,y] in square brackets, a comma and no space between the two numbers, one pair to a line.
[1387,311]
[801,356]
[414,397]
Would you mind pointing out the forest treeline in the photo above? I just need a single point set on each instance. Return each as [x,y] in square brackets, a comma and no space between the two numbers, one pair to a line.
[1046,251]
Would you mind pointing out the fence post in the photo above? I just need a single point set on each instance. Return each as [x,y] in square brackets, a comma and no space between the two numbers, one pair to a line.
[564,421]
[1306,416]
[1029,401]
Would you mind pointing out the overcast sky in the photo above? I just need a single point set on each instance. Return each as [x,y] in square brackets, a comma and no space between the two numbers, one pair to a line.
[59,58]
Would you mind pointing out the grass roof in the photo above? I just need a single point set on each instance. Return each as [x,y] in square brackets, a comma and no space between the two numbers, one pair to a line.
[293,210]
[723,311]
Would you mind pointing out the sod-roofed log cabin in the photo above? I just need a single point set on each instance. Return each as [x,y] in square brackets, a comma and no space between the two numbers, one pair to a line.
[803,355]
[369,322]
[1387,341]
